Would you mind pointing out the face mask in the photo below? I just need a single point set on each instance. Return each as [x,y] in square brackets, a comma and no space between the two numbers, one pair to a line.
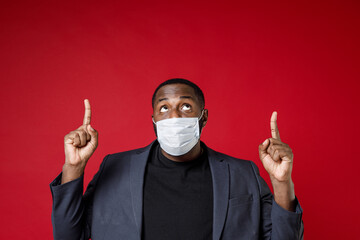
[177,136]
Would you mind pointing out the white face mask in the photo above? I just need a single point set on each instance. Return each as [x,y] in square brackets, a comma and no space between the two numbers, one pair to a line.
[177,136]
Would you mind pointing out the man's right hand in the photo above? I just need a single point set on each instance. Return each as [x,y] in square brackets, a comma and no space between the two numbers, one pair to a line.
[79,145]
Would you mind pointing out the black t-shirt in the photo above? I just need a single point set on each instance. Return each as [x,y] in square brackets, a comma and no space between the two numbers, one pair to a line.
[178,198]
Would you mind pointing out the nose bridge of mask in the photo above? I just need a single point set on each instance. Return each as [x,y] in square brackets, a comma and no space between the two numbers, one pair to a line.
[199,118]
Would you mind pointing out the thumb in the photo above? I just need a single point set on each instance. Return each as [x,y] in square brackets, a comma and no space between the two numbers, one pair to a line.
[93,133]
[262,149]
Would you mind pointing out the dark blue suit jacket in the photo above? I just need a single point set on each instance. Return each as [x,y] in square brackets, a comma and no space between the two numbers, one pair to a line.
[112,205]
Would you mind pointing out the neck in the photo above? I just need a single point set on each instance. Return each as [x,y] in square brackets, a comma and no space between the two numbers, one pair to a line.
[193,154]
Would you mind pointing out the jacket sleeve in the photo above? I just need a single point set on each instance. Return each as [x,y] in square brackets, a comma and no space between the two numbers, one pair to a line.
[278,223]
[71,212]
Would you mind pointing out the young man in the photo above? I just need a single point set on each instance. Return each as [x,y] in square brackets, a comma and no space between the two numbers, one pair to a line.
[177,187]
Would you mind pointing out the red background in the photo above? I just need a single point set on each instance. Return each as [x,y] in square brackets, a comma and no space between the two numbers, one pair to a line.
[300,58]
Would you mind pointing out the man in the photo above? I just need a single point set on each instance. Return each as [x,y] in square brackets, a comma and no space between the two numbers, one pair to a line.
[177,187]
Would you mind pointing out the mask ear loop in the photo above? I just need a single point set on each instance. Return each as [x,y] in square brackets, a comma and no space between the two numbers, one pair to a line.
[202,113]
[153,120]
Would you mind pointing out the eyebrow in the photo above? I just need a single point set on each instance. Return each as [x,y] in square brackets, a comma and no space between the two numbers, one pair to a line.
[185,97]
[181,97]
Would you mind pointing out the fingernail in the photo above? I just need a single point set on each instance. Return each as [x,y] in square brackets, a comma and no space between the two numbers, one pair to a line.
[264,143]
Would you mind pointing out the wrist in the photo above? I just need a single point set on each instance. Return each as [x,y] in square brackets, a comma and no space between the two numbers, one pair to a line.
[276,182]
[71,172]
[284,193]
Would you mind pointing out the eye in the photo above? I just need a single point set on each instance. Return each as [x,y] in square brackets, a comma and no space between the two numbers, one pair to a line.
[186,107]
[164,109]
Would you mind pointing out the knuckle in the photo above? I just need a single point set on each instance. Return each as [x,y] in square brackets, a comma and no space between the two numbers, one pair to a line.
[72,132]
[81,133]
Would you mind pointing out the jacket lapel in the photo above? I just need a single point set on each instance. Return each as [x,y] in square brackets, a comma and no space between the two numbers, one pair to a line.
[137,173]
[220,178]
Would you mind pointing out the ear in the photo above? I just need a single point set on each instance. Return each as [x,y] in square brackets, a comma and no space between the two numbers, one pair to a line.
[204,118]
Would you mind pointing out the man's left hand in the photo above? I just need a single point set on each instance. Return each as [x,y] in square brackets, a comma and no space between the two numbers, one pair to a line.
[276,156]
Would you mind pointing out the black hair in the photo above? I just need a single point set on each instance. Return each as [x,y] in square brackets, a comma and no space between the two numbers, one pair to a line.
[199,94]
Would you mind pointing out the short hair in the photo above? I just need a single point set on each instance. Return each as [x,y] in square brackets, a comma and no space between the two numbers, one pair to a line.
[198,93]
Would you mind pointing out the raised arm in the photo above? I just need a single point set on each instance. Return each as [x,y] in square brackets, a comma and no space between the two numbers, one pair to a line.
[70,208]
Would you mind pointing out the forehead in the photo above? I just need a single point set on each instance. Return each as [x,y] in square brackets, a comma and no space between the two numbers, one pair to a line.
[175,91]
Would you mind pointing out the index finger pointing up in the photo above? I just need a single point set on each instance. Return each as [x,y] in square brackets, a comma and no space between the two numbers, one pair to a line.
[87,115]
[273,125]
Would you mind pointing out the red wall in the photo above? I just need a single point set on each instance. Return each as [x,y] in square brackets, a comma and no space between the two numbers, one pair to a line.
[299,58]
